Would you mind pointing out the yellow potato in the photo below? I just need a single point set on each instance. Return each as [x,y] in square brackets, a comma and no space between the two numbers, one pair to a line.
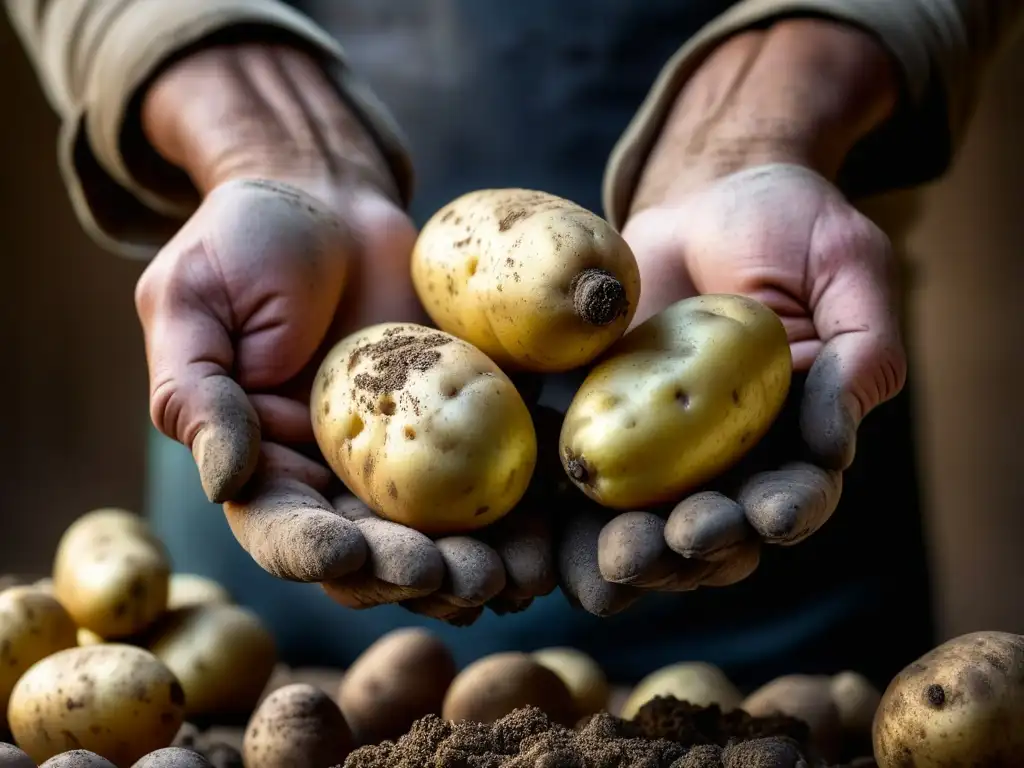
[116,700]
[582,675]
[396,681]
[699,683]
[961,704]
[492,687]
[677,401]
[111,573]
[807,698]
[33,625]
[298,726]
[188,589]
[423,427]
[534,281]
[857,701]
[222,655]
[88,637]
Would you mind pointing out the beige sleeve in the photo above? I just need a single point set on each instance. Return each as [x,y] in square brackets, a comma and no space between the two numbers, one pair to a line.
[942,46]
[92,56]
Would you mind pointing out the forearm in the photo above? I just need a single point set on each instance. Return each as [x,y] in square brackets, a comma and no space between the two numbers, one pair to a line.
[803,91]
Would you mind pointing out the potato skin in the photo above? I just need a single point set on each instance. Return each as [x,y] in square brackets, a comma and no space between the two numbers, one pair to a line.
[188,589]
[397,680]
[582,675]
[111,573]
[33,625]
[533,280]
[492,687]
[423,428]
[298,726]
[960,704]
[78,758]
[807,698]
[116,700]
[173,757]
[697,682]
[222,655]
[12,757]
[677,401]
[857,701]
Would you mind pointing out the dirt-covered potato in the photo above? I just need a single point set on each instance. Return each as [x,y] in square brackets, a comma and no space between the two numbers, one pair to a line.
[807,698]
[582,675]
[961,704]
[116,700]
[857,701]
[188,589]
[173,757]
[397,680]
[12,757]
[33,625]
[697,682]
[298,726]
[677,401]
[491,687]
[534,281]
[78,758]
[423,427]
[222,655]
[111,573]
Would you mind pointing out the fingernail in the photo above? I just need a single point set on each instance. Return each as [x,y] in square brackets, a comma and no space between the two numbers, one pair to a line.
[226,455]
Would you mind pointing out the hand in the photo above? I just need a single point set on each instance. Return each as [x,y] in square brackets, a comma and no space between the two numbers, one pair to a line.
[724,207]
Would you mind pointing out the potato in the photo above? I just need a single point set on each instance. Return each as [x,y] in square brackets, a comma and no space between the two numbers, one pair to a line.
[857,701]
[33,625]
[697,682]
[396,681]
[116,700]
[582,675]
[78,758]
[298,726]
[491,687]
[12,757]
[534,281]
[423,427]
[88,637]
[807,698]
[173,757]
[961,703]
[222,654]
[188,589]
[677,401]
[111,573]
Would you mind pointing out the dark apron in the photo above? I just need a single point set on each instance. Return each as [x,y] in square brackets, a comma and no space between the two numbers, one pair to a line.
[534,93]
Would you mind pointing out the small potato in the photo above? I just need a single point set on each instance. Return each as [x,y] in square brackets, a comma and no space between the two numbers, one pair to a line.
[222,654]
[857,701]
[699,683]
[116,700]
[423,427]
[396,681]
[582,675]
[494,686]
[807,698]
[534,281]
[188,589]
[173,757]
[78,758]
[961,704]
[88,637]
[298,726]
[677,401]
[12,757]
[33,625]
[111,573]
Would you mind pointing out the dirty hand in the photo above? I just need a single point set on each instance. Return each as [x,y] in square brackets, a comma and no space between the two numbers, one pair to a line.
[742,203]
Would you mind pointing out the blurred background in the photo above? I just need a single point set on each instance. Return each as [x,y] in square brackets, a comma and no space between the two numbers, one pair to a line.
[75,418]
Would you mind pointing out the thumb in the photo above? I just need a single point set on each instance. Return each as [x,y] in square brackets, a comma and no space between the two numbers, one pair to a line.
[862,362]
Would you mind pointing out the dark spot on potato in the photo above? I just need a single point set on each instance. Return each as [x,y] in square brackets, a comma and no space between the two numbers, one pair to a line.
[509,220]
[482,511]
[735,397]
[72,704]
[451,390]
[368,467]
[392,490]
[682,398]
[409,433]
[935,695]
[447,216]
[387,405]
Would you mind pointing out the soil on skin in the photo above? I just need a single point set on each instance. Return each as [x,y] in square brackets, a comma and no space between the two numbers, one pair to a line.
[666,733]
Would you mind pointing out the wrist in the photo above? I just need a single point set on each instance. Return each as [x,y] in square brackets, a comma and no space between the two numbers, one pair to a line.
[803,91]
[260,110]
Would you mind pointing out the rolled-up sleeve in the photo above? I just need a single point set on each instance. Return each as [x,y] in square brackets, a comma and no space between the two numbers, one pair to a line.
[93,58]
[941,46]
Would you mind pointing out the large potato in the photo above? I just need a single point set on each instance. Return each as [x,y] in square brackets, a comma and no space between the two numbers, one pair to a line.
[423,427]
[807,698]
[677,401]
[396,681]
[188,589]
[111,573]
[33,625]
[116,700]
[582,675]
[534,281]
[697,682]
[297,726]
[961,703]
[492,687]
[222,655]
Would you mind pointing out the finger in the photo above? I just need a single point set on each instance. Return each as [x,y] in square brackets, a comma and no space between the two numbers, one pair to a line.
[283,419]
[734,565]
[438,608]
[787,505]
[862,363]
[704,525]
[580,570]
[632,550]
[474,573]
[292,532]
[280,461]
[524,542]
